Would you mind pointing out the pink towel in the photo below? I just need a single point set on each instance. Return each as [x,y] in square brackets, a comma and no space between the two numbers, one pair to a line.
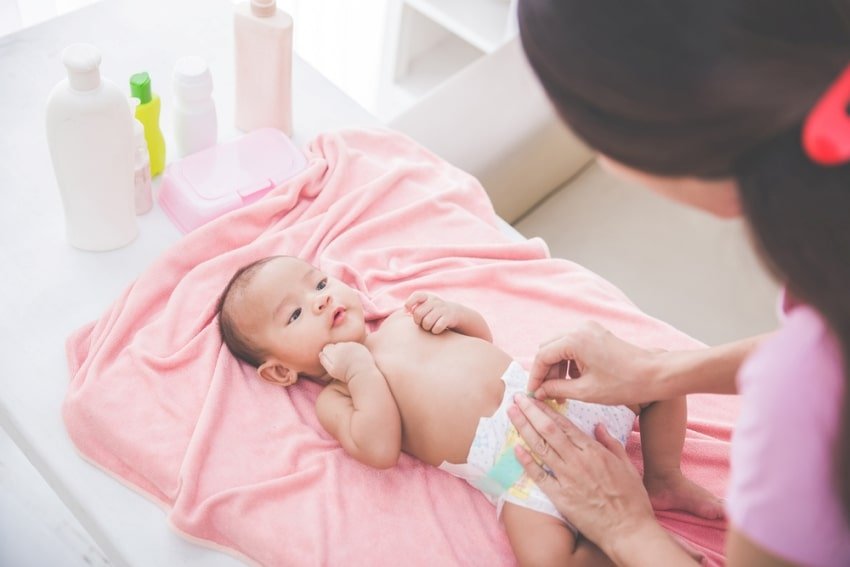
[157,400]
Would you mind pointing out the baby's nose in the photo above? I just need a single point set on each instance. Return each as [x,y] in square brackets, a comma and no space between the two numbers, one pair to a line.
[322,302]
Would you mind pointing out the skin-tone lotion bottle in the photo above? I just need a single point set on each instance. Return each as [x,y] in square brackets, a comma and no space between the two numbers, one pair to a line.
[263,57]
[90,137]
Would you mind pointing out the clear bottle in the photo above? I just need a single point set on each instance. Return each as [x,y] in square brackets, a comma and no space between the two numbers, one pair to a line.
[142,167]
[90,136]
[263,57]
[194,116]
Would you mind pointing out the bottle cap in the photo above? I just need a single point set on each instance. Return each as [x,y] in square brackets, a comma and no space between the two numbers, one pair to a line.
[140,87]
[82,61]
[263,8]
[192,78]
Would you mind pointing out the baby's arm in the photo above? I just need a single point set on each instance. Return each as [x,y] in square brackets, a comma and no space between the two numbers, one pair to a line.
[359,410]
[436,315]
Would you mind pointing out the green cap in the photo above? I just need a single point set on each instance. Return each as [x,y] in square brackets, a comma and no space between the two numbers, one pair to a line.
[140,87]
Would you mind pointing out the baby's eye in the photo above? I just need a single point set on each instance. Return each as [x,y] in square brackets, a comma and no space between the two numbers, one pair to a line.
[295,315]
[322,284]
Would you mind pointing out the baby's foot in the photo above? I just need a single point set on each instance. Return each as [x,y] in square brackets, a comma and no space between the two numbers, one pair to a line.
[672,491]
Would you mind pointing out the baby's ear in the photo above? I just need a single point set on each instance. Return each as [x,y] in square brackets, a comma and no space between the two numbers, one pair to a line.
[275,372]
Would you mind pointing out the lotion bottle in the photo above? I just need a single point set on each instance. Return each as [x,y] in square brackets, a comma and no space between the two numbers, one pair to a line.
[148,114]
[263,56]
[90,137]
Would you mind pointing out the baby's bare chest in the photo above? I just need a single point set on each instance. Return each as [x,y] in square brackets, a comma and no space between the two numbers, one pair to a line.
[421,367]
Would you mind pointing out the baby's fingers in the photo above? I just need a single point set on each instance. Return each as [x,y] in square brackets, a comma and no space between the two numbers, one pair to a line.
[440,326]
[429,320]
[415,298]
[421,311]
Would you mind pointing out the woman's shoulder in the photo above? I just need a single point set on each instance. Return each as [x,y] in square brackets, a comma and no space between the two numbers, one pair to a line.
[781,493]
[801,351]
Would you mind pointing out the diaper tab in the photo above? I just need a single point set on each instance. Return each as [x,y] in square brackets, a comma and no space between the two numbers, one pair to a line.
[507,470]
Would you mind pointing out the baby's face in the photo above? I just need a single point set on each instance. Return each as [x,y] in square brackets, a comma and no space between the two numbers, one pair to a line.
[291,311]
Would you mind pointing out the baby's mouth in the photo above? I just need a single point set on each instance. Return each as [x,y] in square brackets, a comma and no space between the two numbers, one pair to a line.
[338,316]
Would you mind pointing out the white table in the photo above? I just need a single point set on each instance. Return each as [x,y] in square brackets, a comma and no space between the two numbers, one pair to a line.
[49,289]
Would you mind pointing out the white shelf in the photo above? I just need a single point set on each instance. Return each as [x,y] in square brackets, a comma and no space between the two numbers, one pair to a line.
[428,69]
[483,23]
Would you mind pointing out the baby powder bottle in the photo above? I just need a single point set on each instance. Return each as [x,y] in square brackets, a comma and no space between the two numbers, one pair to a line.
[90,136]
[148,114]
[263,42]
[142,167]
[195,123]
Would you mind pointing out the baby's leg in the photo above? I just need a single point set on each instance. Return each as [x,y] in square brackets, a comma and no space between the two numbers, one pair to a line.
[662,435]
[539,539]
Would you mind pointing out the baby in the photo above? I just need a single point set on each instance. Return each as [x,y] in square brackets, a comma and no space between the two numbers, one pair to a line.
[431,383]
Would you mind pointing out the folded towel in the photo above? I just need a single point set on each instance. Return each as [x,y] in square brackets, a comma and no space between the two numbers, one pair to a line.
[156,399]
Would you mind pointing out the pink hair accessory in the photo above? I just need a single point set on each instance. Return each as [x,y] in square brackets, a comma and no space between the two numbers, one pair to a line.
[826,132]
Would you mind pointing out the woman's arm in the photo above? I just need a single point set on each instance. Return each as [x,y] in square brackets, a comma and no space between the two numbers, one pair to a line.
[708,371]
[608,370]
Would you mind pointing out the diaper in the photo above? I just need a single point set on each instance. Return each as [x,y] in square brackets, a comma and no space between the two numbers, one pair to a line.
[491,466]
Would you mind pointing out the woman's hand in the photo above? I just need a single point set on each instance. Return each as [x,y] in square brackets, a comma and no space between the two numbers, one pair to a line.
[602,369]
[594,485]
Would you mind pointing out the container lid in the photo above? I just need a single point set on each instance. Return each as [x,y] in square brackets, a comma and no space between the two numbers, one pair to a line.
[140,87]
[263,8]
[191,77]
[82,61]
[212,182]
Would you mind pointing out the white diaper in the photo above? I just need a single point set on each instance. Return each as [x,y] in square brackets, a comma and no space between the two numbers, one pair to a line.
[491,466]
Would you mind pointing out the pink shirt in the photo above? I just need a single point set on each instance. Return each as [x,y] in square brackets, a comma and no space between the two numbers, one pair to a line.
[782,493]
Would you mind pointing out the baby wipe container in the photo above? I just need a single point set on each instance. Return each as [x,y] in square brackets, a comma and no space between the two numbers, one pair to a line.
[212,182]
[195,122]
[262,37]
[90,136]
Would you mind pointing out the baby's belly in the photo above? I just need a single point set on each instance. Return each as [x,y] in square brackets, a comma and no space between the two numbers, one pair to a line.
[450,383]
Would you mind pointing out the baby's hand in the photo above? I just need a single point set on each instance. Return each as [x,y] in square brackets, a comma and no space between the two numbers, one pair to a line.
[343,361]
[432,313]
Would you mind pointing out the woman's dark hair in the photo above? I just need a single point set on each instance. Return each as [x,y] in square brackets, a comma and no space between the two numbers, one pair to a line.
[717,89]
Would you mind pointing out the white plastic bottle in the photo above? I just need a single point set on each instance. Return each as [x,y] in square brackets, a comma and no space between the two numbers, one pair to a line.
[195,121]
[90,136]
[263,57]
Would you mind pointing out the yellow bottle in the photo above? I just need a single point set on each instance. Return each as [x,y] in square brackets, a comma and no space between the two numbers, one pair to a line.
[147,112]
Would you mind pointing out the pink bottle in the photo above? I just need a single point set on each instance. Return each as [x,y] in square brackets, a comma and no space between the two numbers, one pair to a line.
[263,41]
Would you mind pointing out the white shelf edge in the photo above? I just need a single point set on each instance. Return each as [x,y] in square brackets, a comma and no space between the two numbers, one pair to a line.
[456,17]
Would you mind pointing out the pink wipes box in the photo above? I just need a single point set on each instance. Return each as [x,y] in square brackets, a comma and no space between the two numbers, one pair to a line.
[207,184]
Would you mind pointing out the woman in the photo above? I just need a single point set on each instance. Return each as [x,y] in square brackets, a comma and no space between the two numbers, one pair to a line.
[706,103]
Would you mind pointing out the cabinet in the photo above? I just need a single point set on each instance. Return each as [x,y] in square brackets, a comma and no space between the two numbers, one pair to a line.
[431,40]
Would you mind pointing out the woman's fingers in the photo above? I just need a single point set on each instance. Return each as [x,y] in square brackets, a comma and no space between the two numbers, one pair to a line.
[534,471]
[571,388]
[549,355]
[539,422]
[610,443]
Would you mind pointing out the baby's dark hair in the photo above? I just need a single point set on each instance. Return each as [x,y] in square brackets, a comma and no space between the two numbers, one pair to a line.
[239,345]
